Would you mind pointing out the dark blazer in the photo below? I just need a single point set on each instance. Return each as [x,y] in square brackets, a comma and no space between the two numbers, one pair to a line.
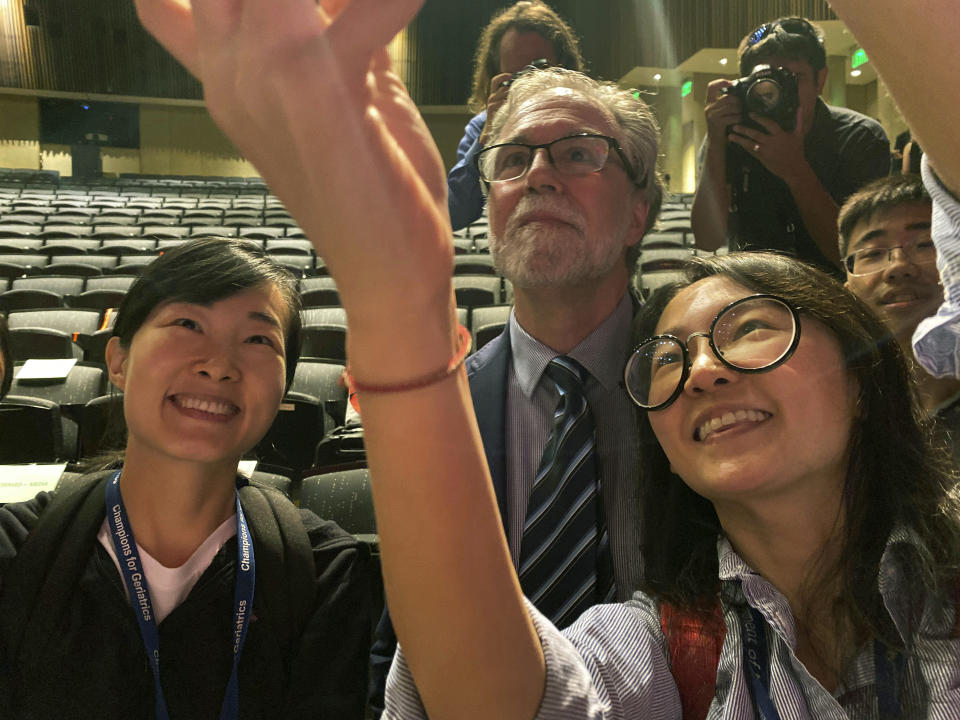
[487,372]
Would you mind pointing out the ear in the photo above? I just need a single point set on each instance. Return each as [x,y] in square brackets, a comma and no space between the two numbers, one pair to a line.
[820,79]
[116,356]
[638,224]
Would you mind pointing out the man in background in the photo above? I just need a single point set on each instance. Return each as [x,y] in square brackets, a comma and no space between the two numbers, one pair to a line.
[515,37]
[890,261]
[771,186]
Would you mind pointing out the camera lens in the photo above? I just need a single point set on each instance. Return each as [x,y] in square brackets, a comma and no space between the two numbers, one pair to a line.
[763,96]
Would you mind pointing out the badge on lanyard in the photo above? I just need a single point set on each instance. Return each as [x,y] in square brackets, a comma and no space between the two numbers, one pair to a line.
[128,555]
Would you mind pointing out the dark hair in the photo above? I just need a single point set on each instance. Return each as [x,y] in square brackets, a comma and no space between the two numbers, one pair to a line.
[6,371]
[794,38]
[525,16]
[880,195]
[204,271]
[907,483]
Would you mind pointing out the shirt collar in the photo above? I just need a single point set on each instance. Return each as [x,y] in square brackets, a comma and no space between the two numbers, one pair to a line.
[602,352]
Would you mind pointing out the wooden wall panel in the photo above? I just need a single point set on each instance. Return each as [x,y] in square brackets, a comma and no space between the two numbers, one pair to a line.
[97,46]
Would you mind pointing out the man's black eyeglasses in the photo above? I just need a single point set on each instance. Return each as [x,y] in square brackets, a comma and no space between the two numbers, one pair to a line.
[573,155]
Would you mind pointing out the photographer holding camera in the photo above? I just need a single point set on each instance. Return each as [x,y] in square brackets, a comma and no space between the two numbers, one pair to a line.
[777,161]
[527,33]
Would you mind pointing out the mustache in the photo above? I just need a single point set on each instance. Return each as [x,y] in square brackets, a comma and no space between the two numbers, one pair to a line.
[532,205]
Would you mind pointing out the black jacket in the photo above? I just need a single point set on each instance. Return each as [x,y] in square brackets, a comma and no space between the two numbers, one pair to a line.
[92,663]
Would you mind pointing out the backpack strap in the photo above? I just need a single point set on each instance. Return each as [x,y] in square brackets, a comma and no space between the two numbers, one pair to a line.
[48,566]
[286,575]
[694,642]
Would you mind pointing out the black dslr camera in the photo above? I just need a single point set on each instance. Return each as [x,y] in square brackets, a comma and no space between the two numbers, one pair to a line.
[768,92]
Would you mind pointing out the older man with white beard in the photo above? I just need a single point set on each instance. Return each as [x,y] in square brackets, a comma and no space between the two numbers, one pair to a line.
[572,188]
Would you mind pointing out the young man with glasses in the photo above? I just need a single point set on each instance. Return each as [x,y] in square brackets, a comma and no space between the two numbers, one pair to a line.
[772,184]
[571,183]
[891,264]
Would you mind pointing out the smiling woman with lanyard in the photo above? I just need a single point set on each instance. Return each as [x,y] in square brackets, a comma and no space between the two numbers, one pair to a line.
[805,557]
[169,586]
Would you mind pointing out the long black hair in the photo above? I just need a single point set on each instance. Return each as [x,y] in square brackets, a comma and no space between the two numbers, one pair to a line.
[895,477]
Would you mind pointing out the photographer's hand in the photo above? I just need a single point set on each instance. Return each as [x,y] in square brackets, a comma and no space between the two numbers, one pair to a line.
[708,216]
[781,152]
[721,111]
[499,87]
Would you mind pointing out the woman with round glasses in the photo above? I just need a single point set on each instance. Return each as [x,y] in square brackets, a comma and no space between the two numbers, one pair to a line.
[801,537]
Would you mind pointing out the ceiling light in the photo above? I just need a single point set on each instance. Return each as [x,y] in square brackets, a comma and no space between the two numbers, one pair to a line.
[723,61]
[658,77]
[856,73]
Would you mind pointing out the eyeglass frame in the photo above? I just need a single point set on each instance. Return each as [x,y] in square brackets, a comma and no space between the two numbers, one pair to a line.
[612,143]
[848,260]
[688,363]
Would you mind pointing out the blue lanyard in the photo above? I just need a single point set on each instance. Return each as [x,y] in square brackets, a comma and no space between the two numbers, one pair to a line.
[888,670]
[756,662]
[125,548]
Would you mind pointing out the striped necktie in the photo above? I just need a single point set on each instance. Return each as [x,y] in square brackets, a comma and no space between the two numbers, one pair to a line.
[565,564]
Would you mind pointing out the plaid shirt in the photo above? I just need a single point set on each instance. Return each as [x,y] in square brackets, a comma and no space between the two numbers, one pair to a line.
[613,662]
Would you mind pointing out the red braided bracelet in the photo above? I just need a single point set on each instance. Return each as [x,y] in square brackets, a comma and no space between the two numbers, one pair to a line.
[354,387]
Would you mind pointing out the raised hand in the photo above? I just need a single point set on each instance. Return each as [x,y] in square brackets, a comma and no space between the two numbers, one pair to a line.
[305,91]
[499,87]
[781,151]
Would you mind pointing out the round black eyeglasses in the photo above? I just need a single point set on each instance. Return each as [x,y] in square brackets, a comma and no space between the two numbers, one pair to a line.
[752,335]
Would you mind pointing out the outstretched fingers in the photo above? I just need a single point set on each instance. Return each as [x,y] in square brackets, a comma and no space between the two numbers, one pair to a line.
[362,27]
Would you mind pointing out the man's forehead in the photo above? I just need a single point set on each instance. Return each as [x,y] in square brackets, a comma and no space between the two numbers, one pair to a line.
[794,65]
[908,217]
[563,108]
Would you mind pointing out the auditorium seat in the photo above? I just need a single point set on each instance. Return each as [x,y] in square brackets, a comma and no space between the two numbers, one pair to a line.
[289,246]
[11,300]
[31,430]
[487,322]
[128,246]
[292,438]
[319,292]
[344,497]
[261,233]
[110,282]
[473,264]
[324,333]
[111,232]
[474,290]
[13,245]
[82,384]
[211,230]
[28,343]
[99,300]
[60,284]
[68,246]
[101,424]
